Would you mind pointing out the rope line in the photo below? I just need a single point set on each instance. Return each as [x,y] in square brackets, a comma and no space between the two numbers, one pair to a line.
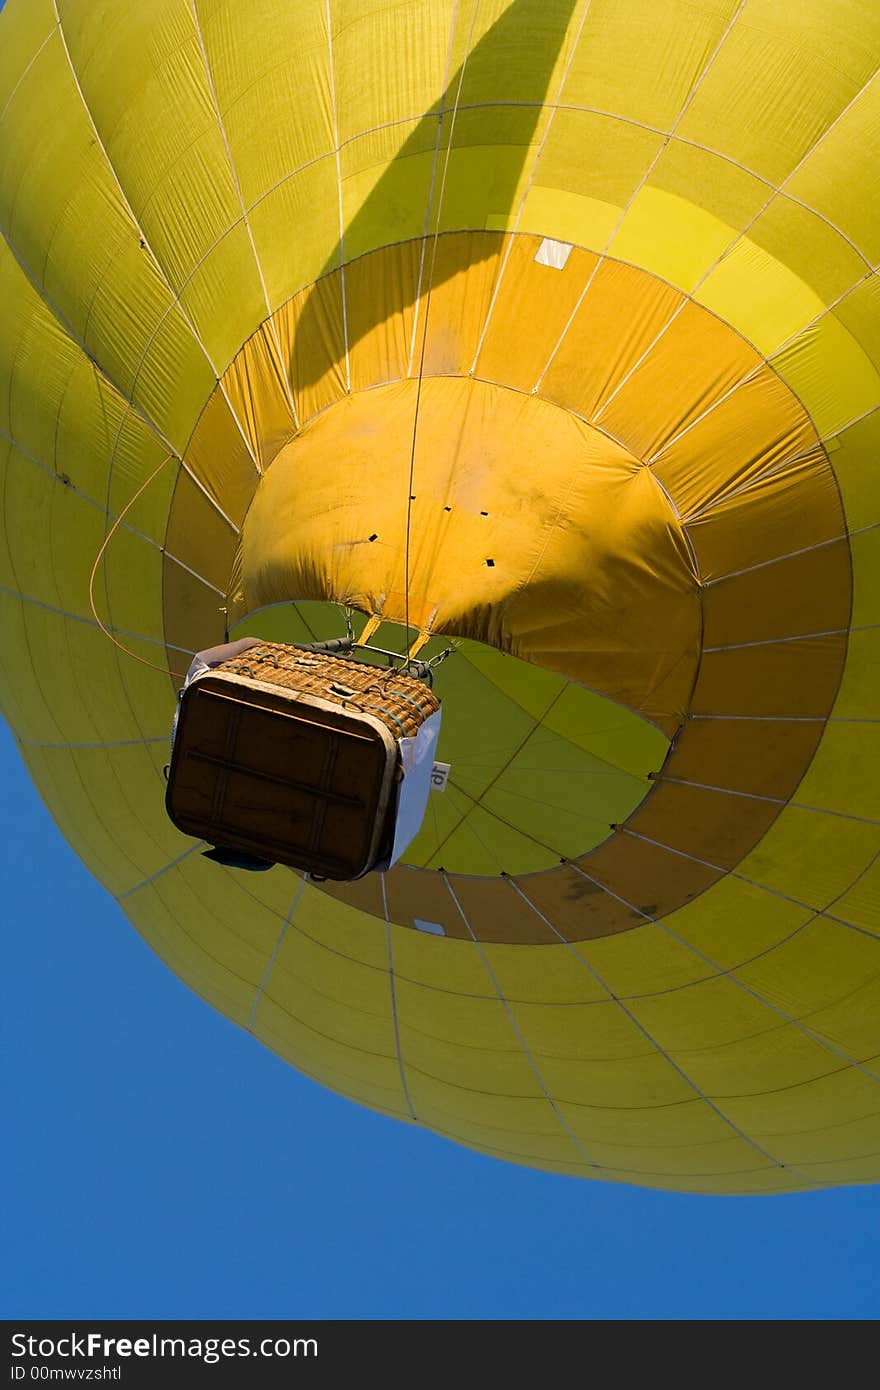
[99,557]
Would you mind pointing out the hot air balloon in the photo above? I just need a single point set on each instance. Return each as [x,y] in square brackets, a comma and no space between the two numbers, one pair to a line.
[546,330]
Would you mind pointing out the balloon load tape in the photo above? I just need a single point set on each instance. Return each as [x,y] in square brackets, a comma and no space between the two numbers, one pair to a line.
[294,757]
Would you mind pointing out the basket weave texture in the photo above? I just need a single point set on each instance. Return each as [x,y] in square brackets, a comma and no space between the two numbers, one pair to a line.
[402,703]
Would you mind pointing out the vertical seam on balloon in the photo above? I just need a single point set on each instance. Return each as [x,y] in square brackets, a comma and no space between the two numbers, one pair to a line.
[552,108]
[768,183]
[814,453]
[759,998]
[722,497]
[172,864]
[468,825]
[664,144]
[793,554]
[200,946]
[273,1044]
[130,406]
[476,801]
[614,769]
[311,1027]
[719,401]
[753,1143]
[771,800]
[789,718]
[176,303]
[685,535]
[777,190]
[105,576]
[274,956]
[696,145]
[683,303]
[594,270]
[767,360]
[870,273]
[193,476]
[591,1162]
[175,297]
[589,111]
[537,801]
[90,622]
[690,295]
[765,887]
[195,574]
[33,58]
[131,801]
[336,148]
[425,229]
[107,630]
[394,1016]
[798,637]
[54,476]
[273,327]
[109,868]
[576,414]
[505,386]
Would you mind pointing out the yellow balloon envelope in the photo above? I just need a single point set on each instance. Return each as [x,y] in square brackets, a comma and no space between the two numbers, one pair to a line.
[546,328]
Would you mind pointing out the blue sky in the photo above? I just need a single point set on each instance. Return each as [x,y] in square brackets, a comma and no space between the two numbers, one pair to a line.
[160,1164]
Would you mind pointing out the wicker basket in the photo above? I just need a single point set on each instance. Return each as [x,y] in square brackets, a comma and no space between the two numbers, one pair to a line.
[401,702]
[294,756]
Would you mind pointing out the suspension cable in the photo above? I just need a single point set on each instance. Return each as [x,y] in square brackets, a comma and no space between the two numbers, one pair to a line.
[412,458]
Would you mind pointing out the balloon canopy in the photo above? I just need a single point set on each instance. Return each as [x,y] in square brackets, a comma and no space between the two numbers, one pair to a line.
[548,328]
